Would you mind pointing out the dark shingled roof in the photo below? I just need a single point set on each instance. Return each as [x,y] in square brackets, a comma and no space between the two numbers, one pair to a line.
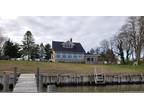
[57,46]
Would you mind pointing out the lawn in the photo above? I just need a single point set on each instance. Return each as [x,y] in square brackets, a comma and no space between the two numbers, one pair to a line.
[48,67]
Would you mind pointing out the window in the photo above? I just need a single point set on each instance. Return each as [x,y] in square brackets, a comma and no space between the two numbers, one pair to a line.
[68,44]
[88,59]
[58,56]
[69,56]
[64,56]
[92,59]
[74,56]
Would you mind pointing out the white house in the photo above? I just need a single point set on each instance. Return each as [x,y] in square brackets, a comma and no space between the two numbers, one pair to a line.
[67,51]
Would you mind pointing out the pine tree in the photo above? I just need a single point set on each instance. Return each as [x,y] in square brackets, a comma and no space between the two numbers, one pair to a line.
[48,51]
[11,50]
[42,52]
[35,53]
[28,44]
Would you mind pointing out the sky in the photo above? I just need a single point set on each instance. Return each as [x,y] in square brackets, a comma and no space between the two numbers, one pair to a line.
[88,30]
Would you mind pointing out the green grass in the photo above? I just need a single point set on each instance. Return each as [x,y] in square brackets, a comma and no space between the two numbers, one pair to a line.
[31,66]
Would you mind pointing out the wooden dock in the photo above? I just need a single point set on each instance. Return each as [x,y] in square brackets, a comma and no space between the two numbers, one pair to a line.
[26,84]
[89,80]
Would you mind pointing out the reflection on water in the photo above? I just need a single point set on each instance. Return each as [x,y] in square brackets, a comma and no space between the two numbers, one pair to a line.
[9,89]
[108,88]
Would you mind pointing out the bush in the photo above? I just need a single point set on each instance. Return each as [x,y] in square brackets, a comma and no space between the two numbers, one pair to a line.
[4,58]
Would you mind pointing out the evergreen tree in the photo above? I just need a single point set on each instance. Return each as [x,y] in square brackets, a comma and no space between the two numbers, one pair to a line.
[11,50]
[48,51]
[28,44]
[42,52]
[110,56]
[35,53]
[92,51]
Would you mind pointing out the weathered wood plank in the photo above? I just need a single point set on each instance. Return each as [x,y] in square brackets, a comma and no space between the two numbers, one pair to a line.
[26,84]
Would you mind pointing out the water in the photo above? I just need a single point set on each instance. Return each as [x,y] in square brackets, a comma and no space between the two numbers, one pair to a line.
[10,89]
[97,89]
[131,88]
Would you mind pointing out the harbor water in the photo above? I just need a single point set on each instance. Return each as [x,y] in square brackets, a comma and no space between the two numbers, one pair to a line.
[130,88]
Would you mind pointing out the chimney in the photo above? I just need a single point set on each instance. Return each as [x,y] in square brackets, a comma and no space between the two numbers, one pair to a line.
[71,39]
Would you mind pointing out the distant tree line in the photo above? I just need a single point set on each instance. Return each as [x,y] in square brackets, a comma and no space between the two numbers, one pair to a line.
[27,50]
[127,45]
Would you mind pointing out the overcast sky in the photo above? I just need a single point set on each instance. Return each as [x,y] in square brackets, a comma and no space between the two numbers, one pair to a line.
[88,30]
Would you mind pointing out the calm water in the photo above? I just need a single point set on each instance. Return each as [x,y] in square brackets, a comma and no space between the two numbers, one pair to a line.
[137,88]
[109,88]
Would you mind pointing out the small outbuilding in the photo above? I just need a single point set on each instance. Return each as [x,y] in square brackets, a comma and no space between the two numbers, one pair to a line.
[92,59]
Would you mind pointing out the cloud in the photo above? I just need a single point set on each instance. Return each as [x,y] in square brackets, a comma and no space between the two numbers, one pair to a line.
[89,30]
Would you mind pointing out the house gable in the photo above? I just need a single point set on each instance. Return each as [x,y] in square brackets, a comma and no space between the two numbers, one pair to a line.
[68,51]
[67,47]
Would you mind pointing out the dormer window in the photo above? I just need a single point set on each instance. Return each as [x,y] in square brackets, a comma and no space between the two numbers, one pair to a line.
[68,44]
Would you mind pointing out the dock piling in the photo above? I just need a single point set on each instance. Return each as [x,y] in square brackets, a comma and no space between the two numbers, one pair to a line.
[37,77]
[15,75]
[40,83]
[5,82]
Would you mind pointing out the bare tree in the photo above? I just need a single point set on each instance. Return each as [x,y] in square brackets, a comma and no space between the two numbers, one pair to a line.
[127,41]
[2,40]
[112,43]
[136,30]
[97,50]
[119,49]
[107,53]
[105,45]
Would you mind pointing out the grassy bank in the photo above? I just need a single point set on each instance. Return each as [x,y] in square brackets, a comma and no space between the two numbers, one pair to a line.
[31,66]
